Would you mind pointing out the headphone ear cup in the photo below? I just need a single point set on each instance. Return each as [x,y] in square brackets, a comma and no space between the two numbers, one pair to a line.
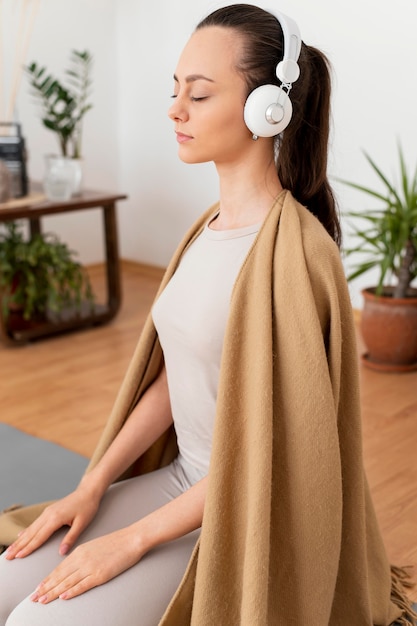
[267,111]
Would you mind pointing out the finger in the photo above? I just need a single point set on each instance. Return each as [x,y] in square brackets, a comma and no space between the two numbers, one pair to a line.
[32,543]
[18,545]
[55,584]
[85,584]
[71,585]
[24,536]
[29,540]
[70,538]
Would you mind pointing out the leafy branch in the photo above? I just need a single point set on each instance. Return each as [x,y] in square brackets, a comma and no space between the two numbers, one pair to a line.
[64,106]
[387,236]
[39,274]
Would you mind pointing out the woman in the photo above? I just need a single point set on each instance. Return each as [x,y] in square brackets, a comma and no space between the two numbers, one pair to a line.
[244,356]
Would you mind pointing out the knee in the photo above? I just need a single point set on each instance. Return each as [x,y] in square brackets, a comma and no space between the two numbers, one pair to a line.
[9,595]
[27,613]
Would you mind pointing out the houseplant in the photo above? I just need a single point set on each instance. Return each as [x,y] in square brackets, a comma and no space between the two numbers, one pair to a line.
[38,275]
[64,105]
[386,238]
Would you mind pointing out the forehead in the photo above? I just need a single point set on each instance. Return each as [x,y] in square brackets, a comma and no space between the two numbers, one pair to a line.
[213,51]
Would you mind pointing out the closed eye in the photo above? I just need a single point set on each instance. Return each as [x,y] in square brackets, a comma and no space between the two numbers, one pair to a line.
[192,98]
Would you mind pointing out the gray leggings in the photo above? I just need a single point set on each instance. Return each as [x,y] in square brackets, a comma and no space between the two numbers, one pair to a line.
[137,597]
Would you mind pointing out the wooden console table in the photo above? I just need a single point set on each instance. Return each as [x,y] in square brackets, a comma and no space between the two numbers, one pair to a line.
[69,320]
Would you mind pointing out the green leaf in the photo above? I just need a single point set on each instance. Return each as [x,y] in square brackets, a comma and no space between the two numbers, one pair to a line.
[64,105]
[42,272]
[389,228]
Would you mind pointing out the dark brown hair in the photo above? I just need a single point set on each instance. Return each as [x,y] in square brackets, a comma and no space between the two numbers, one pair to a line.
[303,146]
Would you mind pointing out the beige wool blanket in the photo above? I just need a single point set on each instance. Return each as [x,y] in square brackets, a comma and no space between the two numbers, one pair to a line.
[289,534]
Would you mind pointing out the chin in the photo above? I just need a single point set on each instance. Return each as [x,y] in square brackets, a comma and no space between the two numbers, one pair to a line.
[192,159]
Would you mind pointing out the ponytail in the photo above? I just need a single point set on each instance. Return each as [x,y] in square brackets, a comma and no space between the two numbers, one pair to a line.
[302,151]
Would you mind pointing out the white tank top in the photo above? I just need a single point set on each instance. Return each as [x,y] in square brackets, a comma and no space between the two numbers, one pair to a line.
[190,317]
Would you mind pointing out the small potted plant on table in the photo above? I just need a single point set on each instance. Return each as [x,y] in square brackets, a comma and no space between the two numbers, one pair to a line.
[64,106]
[386,238]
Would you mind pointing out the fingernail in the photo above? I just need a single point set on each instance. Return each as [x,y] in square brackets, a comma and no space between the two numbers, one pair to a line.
[43,599]
[63,549]
[34,597]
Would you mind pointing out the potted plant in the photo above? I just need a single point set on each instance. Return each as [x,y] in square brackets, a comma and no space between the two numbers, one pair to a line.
[386,239]
[64,106]
[39,275]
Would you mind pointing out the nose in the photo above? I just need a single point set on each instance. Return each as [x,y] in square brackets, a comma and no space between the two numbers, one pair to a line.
[177,112]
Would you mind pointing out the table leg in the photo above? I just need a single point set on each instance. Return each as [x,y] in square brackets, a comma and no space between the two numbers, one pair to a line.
[114,292]
[34,226]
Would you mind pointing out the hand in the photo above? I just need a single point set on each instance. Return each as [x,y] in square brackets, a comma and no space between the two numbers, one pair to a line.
[89,565]
[75,510]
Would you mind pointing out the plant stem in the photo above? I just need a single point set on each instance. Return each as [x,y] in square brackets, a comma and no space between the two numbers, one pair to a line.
[404,273]
[63,142]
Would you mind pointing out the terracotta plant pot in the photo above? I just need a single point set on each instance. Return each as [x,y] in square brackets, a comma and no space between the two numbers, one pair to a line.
[389,330]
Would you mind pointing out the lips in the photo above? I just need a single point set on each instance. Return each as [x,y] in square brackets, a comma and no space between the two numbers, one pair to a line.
[182,138]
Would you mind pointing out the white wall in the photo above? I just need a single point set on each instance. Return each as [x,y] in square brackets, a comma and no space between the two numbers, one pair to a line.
[129,141]
[60,27]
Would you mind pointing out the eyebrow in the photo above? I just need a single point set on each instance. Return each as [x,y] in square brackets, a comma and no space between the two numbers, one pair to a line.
[193,77]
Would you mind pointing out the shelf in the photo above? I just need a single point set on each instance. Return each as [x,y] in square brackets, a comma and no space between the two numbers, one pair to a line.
[22,331]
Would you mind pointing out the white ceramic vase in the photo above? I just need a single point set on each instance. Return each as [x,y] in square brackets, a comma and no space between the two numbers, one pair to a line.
[77,165]
[58,182]
[63,177]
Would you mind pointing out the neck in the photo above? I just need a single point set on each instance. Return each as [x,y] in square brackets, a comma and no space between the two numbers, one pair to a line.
[247,192]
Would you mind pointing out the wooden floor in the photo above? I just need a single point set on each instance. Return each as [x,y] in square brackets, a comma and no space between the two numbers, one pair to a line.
[62,389]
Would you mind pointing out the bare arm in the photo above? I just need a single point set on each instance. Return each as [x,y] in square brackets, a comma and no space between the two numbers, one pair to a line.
[175,519]
[150,418]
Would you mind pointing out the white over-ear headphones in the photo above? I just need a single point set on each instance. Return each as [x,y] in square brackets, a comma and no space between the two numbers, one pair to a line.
[268,108]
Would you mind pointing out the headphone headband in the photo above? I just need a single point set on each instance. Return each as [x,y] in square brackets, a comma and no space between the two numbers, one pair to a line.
[292,37]
[287,70]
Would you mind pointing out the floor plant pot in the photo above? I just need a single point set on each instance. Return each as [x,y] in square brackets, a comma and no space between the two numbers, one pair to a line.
[389,331]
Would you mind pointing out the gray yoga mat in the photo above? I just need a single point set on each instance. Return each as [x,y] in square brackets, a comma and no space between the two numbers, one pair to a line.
[33,470]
